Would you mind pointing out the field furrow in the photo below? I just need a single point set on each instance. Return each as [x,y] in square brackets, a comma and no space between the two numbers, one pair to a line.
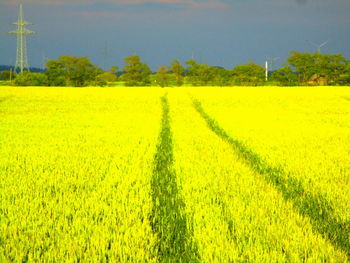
[315,206]
[168,220]
[236,215]
[304,130]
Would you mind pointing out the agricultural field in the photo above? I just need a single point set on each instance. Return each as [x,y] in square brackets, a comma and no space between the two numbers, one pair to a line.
[192,174]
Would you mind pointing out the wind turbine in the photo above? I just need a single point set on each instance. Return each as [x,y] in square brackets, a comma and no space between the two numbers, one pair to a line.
[319,46]
[271,60]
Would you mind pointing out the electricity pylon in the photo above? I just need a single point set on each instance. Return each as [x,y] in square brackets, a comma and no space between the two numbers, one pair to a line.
[21,32]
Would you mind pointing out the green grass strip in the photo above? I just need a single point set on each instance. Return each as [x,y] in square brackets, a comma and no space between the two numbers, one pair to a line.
[168,220]
[315,206]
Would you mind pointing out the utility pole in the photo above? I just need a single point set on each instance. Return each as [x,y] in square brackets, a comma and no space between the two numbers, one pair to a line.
[266,70]
[21,32]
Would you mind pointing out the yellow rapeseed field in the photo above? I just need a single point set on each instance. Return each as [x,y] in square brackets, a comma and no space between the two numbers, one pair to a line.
[195,174]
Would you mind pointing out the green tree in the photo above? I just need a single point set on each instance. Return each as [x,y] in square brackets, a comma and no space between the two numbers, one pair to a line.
[114,70]
[39,79]
[302,64]
[24,79]
[329,66]
[79,71]
[192,72]
[221,77]
[104,78]
[285,76]
[72,71]
[178,71]
[6,75]
[205,74]
[55,73]
[344,78]
[199,74]
[311,67]
[31,79]
[248,74]
[162,77]
[136,72]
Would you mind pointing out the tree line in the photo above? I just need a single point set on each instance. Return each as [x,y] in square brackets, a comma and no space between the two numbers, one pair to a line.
[300,69]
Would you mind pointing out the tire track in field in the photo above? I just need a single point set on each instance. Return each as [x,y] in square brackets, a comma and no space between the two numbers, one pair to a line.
[315,206]
[168,220]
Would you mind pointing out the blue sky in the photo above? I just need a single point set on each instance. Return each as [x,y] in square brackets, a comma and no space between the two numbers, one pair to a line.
[215,32]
